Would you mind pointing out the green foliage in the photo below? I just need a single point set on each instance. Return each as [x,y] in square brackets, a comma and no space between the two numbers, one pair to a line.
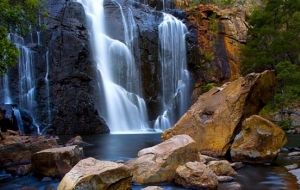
[207,87]
[8,53]
[285,124]
[274,43]
[216,2]
[16,16]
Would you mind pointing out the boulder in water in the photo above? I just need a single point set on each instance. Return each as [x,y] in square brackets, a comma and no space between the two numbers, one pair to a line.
[213,120]
[95,174]
[196,175]
[56,162]
[158,163]
[258,142]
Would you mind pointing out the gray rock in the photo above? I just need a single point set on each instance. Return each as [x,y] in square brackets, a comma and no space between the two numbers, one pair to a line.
[237,165]
[230,186]
[152,188]
[294,154]
[223,179]
[291,167]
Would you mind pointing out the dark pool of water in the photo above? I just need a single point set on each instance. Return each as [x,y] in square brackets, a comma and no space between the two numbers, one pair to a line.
[125,147]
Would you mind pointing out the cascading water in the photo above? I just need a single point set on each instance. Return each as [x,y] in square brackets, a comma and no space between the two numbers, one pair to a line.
[174,74]
[6,91]
[26,77]
[125,110]
[19,120]
[47,87]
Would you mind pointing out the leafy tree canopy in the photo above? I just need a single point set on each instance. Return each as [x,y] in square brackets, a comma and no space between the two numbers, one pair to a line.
[274,43]
[15,16]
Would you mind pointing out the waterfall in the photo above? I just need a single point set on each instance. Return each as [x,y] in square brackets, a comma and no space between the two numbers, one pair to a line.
[26,76]
[47,87]
[174,74]
[19,120]
[123,107]
[6,91]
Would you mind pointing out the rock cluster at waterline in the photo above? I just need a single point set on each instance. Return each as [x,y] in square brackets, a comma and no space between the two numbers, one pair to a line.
[158,163]
[215,119]
[16,152]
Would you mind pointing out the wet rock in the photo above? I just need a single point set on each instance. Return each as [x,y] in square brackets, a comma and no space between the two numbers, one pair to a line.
[223,179]
[158,163]
[73,111]
[212,121]
[46,179]
[56,162]
[294,154]
[259,141]
[297,174]
[221,168]
[17,150]
[196,175]
[152,188]
[291,167]
[231,186]
[95,174]
[237,165]
[19,170]
[77,141]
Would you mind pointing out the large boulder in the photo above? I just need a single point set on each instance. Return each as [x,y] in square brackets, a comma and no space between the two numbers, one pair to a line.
[213,120]
[17,150]
[95,174]
[158,163]
[56,162]
[259,141]
[196,175]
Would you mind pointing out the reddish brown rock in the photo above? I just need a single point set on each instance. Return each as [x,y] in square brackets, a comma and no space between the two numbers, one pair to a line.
[17,150]
[259,141]
[212,121]
[56,162]
[196,175]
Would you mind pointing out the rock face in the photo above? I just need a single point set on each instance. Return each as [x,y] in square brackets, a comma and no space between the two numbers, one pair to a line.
[94,174]
[259,141]
[158,163]
[221,168]
[221,32]
[213,120]
[73,74]
[196,175]
[56,162]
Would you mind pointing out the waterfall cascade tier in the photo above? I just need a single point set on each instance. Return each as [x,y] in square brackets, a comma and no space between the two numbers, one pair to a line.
[26,81]
[122,104]
[174,74]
